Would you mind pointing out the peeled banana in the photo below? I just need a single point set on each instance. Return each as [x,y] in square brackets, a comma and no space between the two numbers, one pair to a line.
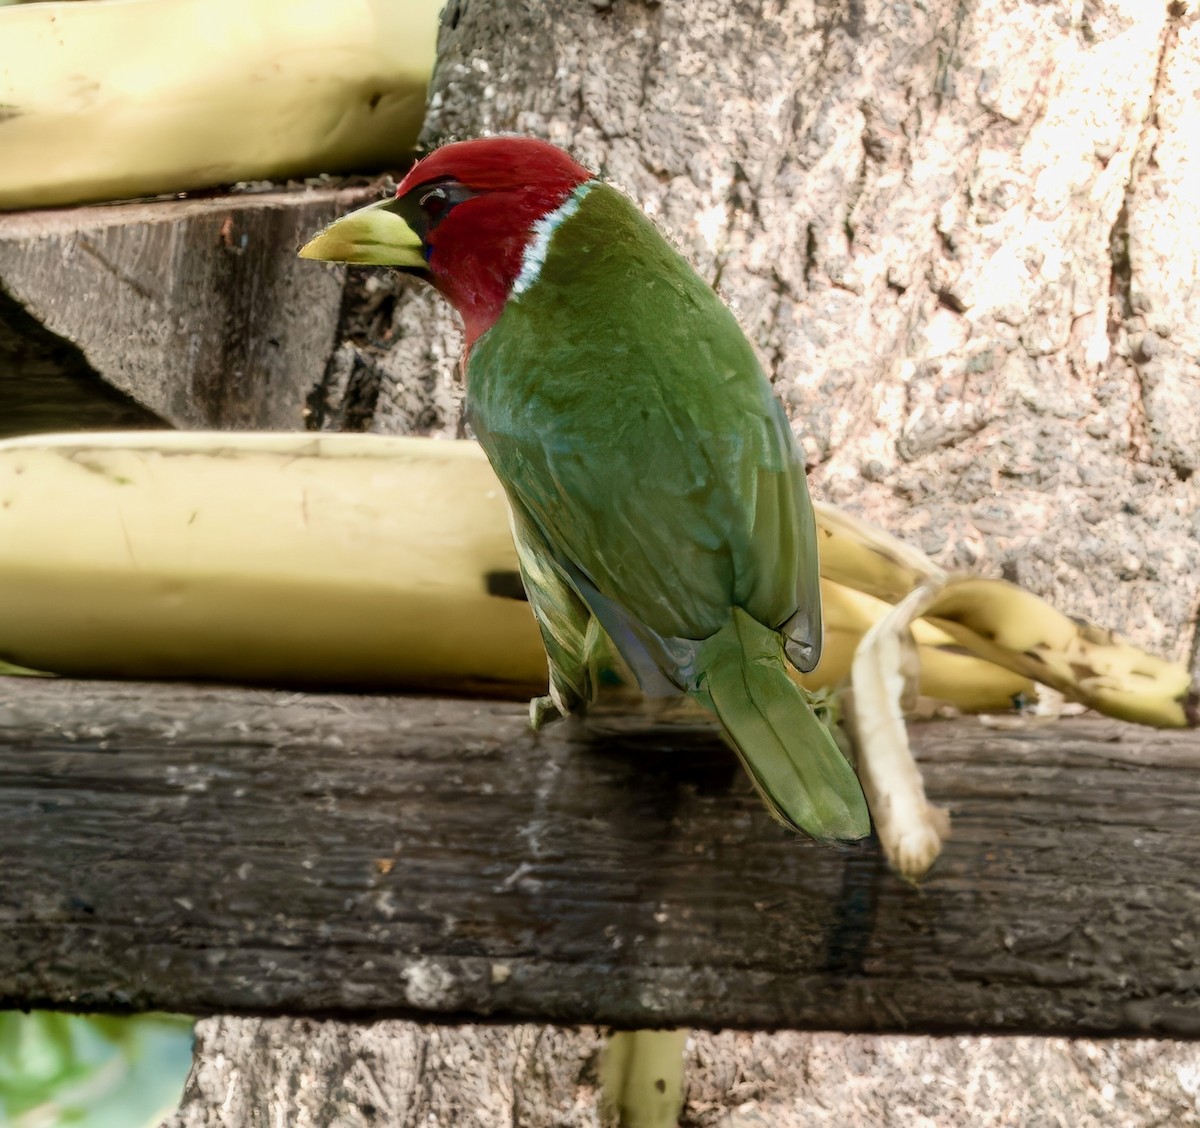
[121,98]
[948,672]
[1008,626]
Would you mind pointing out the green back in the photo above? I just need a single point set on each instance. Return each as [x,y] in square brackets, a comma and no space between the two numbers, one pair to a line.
[638,439]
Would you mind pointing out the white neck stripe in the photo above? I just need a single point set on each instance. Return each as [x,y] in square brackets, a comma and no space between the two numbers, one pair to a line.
[534,257]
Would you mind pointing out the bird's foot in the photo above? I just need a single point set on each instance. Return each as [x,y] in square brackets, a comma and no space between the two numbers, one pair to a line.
[542,711]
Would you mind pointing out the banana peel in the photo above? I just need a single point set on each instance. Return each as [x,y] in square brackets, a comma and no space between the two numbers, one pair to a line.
[910,828]
[1006,625]
[947,672]
[991,621]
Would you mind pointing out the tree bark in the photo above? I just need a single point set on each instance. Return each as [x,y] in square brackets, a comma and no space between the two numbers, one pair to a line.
[964,237]
[259,1073]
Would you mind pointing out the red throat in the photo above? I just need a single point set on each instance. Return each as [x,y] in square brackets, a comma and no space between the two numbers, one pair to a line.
[476,252]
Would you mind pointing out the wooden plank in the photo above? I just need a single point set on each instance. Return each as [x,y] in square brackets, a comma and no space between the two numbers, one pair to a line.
[197,310]
[231,850]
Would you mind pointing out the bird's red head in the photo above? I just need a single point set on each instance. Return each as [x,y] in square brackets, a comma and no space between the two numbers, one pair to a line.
[462,217]
[474,204]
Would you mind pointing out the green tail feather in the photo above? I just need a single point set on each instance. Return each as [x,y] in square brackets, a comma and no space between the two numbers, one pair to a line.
[791,757]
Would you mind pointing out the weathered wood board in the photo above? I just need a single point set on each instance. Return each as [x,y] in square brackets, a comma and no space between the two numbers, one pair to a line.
[219,850]
[195,311]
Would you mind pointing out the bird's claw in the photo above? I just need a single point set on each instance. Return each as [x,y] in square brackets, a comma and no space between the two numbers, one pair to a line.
[542,711]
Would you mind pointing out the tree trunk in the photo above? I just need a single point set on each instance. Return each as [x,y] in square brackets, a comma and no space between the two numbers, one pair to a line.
[965,238]
[259,1073]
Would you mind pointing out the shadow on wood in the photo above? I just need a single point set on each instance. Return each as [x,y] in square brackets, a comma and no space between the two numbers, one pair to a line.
[46,383]
[226,850]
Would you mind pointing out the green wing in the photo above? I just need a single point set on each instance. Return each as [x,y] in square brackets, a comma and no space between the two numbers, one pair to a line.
[639,441]
[563,618]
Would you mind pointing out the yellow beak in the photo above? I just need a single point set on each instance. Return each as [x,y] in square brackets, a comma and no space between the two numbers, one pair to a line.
[374,235]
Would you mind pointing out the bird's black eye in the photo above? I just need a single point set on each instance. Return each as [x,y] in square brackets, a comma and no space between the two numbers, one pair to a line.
[426,205]
[434,201]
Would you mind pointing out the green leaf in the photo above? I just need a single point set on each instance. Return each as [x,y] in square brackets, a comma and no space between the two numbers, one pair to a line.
[91,1071]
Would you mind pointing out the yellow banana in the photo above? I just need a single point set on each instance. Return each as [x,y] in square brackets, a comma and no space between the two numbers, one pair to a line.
[1007,626]
[355,559]
[641,1077]
[948,672]
[864,557]
[1013,627]
[312,559]
[135,97]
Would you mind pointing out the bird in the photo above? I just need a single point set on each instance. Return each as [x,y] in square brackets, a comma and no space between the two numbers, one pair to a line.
[657,494]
